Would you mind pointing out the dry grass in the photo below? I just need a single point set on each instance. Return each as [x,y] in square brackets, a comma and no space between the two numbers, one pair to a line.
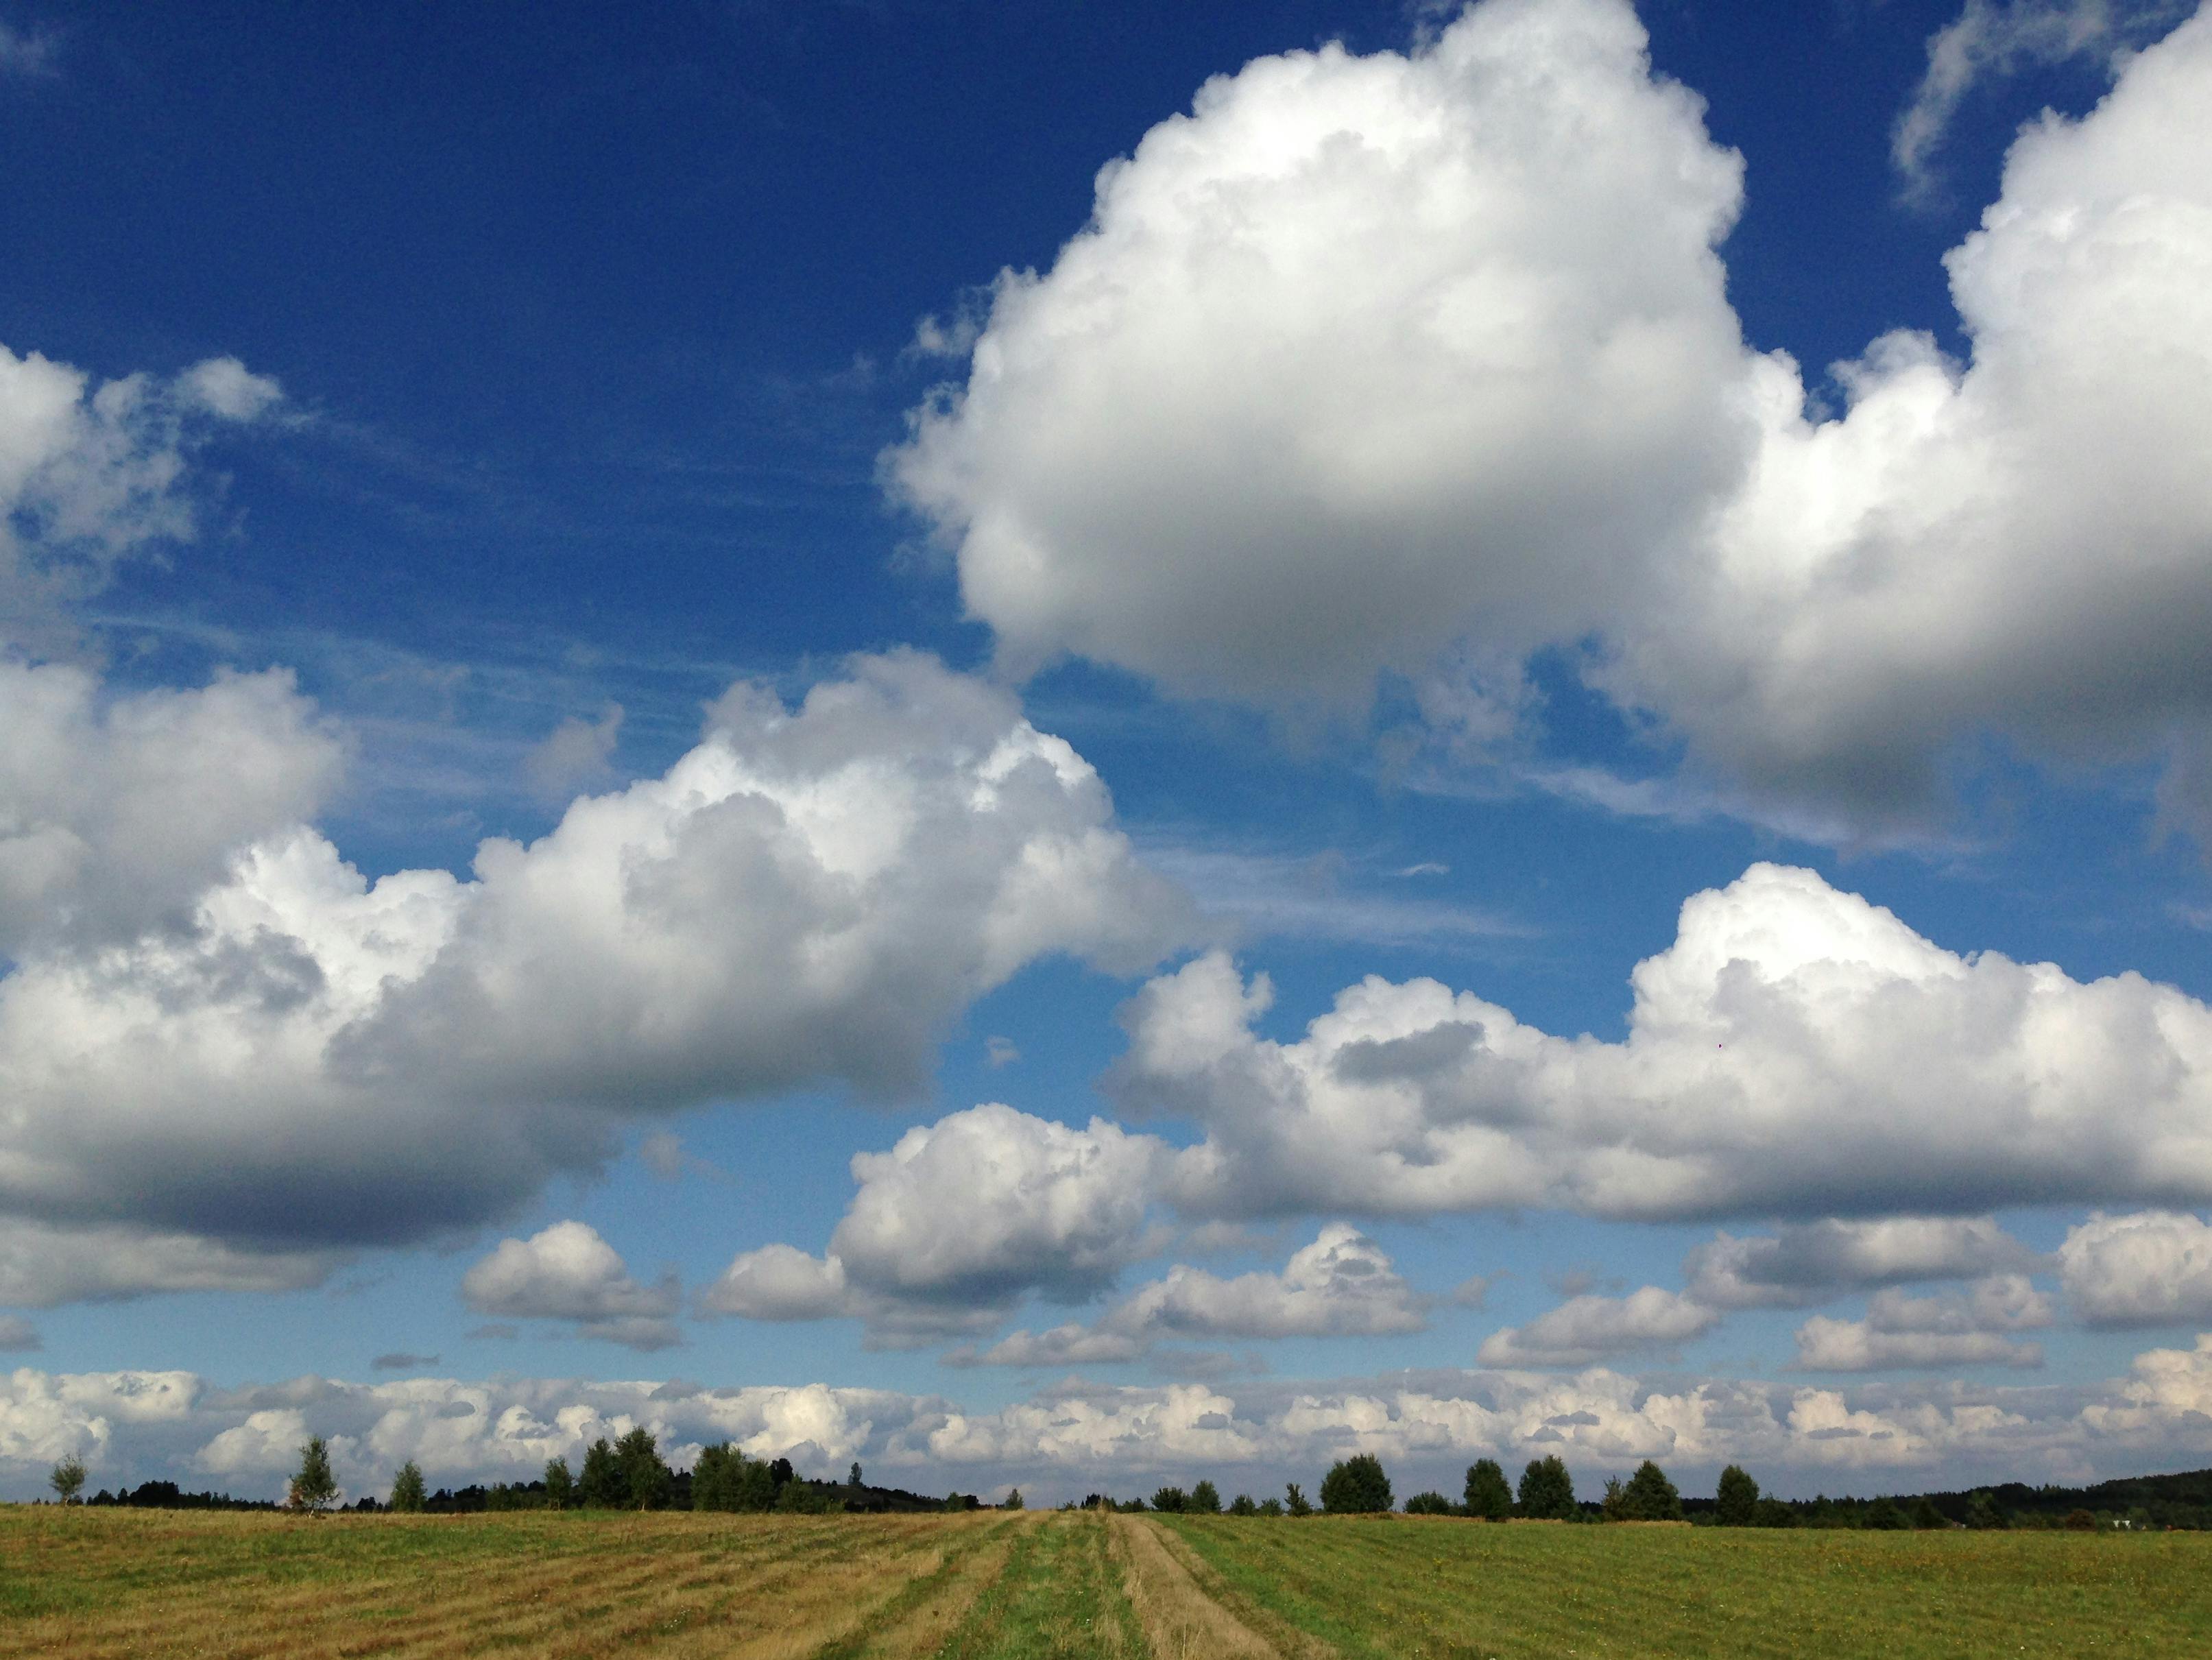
[1180,1619]
[100,1585]
[1439,1586]
[86,1585]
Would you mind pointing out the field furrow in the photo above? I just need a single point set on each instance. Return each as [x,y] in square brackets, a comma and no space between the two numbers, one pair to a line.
[83,1585]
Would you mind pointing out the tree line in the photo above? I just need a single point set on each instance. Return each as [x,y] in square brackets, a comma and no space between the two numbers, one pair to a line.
[630,1474]
[1545,1492]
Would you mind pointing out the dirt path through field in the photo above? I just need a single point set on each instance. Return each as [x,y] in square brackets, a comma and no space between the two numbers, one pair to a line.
[1188,1613]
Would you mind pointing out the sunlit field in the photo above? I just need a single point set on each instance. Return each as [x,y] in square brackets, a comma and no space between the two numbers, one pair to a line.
[84,1583]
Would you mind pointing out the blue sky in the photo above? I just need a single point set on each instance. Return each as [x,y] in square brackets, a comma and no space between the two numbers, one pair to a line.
[1267,558]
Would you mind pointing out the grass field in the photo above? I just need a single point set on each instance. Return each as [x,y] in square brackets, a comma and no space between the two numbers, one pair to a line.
[76,1583]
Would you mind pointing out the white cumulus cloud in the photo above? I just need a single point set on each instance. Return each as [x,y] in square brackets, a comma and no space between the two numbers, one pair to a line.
[568,1271]
[1342,1285]
[959,1221]
[1423,362]
[1588,1328]
[89,472]
[304,1059]
[1811,1262]
[1796,1051]
[2150,1268]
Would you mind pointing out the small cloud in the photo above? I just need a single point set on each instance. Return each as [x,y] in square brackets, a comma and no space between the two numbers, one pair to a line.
[1991,40]
[1204,1364]
[1426,868]
[2191,916]
[1470,1293]
[576,753]
[1218,1239]
[570,1273]
[398,1361]
[226,387]
[1000,1051]
[30,53]
[663,1154]
[17,1335]
[1572,1281]
[497,1330]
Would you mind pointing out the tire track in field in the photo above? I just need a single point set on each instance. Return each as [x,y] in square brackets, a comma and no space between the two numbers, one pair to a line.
[1188,1614]
[929,1608]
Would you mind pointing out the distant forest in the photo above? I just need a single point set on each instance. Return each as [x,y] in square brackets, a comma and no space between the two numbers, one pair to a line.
[630,1476]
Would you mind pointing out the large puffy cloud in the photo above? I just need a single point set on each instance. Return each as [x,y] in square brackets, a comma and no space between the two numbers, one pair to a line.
[118,812]
[807,896]
[1588,1329]
[959,1220]
[2153,1268]
[568,1271]
[131,1426]
[1955,1328]
[1424,360]
[1812,1262]
[116,809]
[1351,353]
[1343,1285]
[1796,1051]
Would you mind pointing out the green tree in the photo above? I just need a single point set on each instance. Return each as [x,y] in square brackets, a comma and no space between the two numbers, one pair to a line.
[1173,1500]
[852,1477]
[1294,1500]
[1242,1505]
[1487,1495]
[1736,1502]
[1981,1512]
[645,1479]
[407,1492]
[601,1486]
[67,1479]
[314,1487]
[1355,1487]
[2081,1520]
[1013,1499]
[560,1485]
[1773,1513]
[1885,1517]
[1429,1503]
[1547,1492]
[1269,1507]
[714,1478]
[1650,1496]
[1927,1517]
[724,1479]
[1206,1499]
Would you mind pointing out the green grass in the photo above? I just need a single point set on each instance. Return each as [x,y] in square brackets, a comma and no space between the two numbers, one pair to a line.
[1060,1597]
[86,1585]
[1442,1587]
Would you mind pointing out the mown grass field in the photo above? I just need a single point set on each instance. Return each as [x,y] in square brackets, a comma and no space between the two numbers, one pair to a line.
[76,1583]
